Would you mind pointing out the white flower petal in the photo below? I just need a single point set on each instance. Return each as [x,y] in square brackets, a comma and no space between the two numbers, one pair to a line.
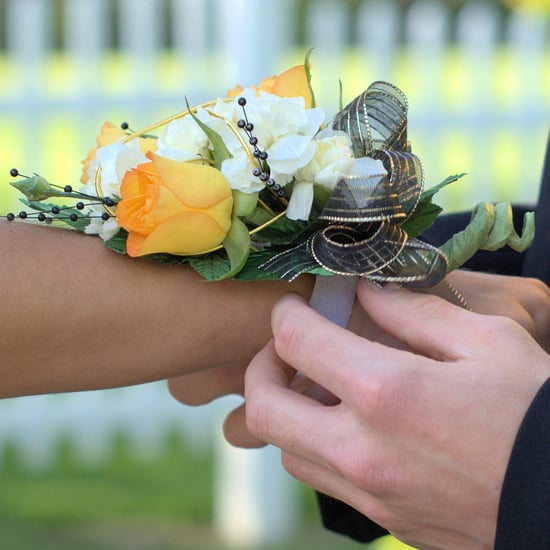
[315,117]
[183,134]
[128,157]
[301,200]
[290,153]
[238,171]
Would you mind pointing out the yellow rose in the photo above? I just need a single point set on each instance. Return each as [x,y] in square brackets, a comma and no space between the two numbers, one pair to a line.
[108,134]
[174,207]
[292,83]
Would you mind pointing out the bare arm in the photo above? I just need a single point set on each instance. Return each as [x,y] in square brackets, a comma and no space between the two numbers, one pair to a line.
[76,315]
[527,301]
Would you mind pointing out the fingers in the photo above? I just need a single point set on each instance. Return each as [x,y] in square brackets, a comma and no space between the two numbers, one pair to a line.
[333,484]
[201,387]
[427,324]
[329,355]
[277,414]
[525,300]
[236,432]
[302,384]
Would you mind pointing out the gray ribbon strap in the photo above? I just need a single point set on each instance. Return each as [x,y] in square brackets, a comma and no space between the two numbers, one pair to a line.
[333,297]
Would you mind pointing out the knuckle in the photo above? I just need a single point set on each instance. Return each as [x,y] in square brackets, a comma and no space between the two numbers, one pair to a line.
[496,327]
[295,467]
[542,289]
[256,416]
[288,338]
[367,471]
[380,396]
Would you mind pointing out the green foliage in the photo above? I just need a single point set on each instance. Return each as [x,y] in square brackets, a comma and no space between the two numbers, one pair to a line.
[422,218]
[78,225]
[425,213]
[165,503]
[118,242]
[244,204]
[36,188]
[219,148]
[307,67]
[285,231]
[237,247]
[212,266]
[491,227]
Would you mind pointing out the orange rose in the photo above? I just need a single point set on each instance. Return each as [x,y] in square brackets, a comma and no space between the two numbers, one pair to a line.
[292,83]
[110,133]
[174,207]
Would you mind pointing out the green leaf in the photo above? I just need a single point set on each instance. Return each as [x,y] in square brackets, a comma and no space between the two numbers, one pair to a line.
[211,267]
[118,242]
[320,271]
[423,217]
[252,272]
[425,213]
[244,204]
[284,231]
[428,193]
[220,150]
[63,218]
[307,67]
[320,197]
[218,266]
[258,216]
[237,246]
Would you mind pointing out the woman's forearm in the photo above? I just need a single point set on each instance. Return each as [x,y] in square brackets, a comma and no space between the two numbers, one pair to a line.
[79,316]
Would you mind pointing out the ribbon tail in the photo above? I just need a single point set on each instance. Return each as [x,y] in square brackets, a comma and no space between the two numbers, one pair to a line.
[333,297]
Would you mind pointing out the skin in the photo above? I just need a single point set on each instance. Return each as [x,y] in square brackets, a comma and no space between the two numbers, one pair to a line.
[418,439]
[412,431]
[527,301]
[78,316]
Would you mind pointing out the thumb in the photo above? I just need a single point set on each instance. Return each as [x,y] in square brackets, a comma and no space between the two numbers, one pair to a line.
[236,432]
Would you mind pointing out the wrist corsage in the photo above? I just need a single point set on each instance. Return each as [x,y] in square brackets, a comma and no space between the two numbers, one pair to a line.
[262,184]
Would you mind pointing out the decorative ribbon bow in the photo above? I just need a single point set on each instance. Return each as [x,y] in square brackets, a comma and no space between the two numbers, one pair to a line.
[362,233]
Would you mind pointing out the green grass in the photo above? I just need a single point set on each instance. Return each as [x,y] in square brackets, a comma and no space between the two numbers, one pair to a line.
[165,504]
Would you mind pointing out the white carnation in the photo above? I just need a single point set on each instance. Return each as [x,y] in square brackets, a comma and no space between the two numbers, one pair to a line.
[114,161]
[238,171]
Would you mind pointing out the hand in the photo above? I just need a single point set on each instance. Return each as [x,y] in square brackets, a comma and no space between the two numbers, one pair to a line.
[419,442]
[525,300]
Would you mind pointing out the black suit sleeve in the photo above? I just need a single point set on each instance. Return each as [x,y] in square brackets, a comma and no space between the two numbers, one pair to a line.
[341,518]
[524,512]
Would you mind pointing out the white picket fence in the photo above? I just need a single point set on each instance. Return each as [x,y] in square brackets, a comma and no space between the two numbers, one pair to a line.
[478,82]
[479,90]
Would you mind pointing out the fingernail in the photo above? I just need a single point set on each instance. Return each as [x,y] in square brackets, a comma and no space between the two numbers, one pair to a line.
[392,287]
[380,287]
[369,283]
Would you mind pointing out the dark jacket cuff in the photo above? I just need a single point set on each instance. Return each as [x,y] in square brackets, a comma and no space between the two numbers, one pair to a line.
[524,511]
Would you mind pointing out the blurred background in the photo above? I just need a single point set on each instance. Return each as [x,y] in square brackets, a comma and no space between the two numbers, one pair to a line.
[131,468]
